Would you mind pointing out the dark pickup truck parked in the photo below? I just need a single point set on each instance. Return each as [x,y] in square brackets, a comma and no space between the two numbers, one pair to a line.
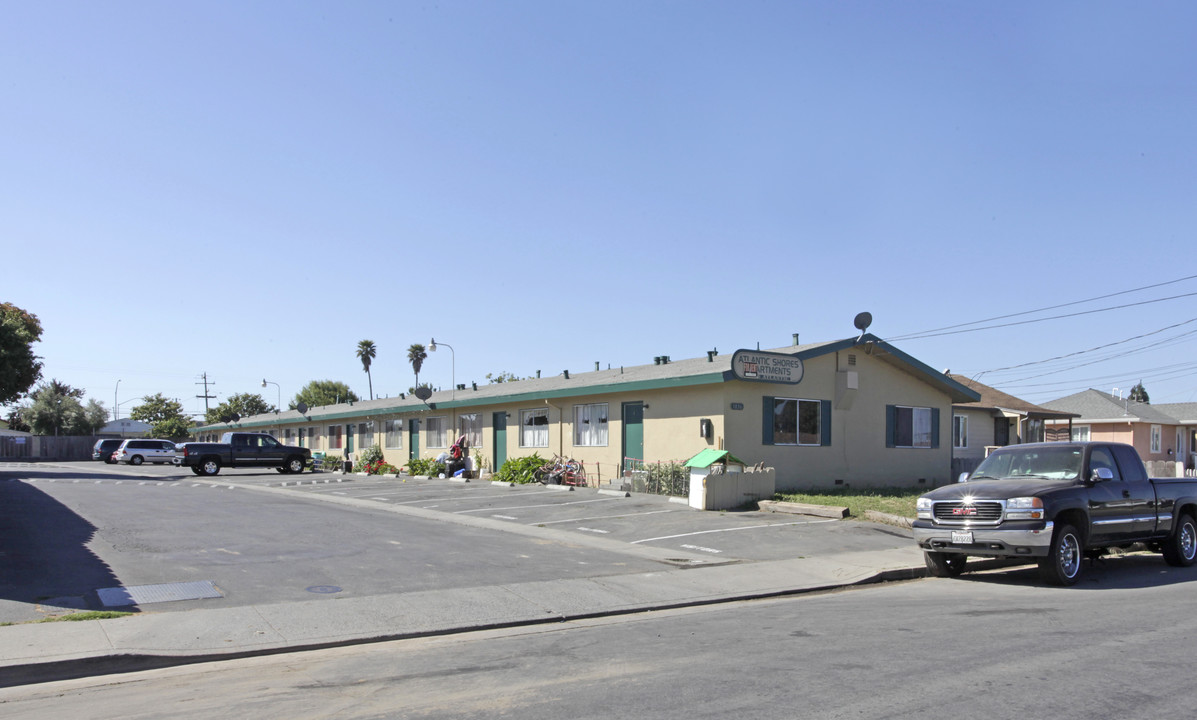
[237,449]
[1057,503]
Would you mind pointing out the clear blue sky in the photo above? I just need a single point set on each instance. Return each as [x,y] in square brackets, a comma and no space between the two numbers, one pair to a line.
[249,189]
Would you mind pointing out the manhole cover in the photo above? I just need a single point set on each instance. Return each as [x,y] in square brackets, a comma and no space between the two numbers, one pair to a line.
[324,589]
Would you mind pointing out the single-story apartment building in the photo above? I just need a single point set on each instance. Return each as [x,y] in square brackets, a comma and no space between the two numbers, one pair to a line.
[854,412]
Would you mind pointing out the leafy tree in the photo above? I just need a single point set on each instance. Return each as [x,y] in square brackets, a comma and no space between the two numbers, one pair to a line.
[16,422]
[323,392]
[1139,394]
[164,416]
[416,355]
[244,404]
[366,352]
[19,367]
[94,417]
[55,409]
[501,377]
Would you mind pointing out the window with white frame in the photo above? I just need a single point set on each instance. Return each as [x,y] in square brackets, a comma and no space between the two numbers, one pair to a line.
[470,426]
[796,422]
[912,427]
[590,425]
[1080,433]
[534,428]
[959,431]
[365,433]
[394,433]
[434,431]
[1157,438]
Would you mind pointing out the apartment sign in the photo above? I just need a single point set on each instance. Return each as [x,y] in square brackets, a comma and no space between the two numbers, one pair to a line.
[767,367]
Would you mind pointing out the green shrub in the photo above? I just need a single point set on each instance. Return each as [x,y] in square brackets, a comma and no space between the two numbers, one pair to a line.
[369,460]
[425,466]
[520,470]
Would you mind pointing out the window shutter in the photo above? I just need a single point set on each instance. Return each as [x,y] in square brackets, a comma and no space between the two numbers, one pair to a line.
[934,427]
[767,421]
[890,418]
[825,422]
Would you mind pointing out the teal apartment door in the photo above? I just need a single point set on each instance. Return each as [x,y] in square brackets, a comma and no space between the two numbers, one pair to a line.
[633,430]
[413,439]
[499,423]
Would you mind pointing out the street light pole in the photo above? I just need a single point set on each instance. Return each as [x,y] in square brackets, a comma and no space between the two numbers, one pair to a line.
[453,359]
[279,406]
[116,405]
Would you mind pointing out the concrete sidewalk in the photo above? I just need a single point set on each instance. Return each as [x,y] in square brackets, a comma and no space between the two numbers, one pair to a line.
[44,652]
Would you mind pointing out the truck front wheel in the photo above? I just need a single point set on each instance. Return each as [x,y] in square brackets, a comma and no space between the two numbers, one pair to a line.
[294,465]
[1180,549]
[945,564]
[1062,566]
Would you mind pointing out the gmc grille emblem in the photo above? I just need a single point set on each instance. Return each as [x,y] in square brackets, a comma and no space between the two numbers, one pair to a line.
[964,511]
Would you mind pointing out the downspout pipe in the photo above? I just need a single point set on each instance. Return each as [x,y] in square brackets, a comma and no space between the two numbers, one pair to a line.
[560,428]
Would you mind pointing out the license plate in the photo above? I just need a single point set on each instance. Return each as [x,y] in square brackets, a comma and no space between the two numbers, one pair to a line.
[961,537]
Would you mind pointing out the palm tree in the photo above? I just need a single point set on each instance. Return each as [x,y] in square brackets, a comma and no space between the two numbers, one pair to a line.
[366,352]
[416,355]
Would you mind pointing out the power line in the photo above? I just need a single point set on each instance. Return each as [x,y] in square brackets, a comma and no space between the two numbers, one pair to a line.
[932,333]
[927,333]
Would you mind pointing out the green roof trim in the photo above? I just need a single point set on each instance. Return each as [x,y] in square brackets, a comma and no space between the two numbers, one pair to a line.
[710,456]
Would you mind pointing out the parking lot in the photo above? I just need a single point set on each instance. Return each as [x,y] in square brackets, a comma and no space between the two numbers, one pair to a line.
[260,536]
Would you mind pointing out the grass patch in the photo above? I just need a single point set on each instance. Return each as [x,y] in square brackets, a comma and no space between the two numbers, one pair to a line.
[77,617]
[895,501]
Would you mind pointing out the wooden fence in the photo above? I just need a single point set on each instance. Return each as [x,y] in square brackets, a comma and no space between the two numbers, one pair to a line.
[42,447]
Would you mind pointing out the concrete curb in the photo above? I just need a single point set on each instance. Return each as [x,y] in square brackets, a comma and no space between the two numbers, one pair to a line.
[829,511]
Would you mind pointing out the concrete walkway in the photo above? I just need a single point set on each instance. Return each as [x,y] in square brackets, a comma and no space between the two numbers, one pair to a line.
[44,652]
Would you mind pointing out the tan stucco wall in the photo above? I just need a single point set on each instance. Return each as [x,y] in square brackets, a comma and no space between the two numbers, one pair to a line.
[857,455]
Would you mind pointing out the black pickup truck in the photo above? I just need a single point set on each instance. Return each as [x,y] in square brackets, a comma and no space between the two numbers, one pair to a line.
[1057,503]
[237,449]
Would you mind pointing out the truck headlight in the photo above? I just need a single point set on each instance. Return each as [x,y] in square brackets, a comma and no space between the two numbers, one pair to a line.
[1024,508]
[923,506]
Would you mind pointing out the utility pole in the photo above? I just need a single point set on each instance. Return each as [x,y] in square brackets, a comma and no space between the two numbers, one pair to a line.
[206,396]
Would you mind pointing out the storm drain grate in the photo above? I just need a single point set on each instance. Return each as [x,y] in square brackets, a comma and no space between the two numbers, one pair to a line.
[167,592]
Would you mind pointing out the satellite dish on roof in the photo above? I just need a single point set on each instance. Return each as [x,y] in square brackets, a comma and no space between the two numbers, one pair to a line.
[302,408]
[423,392]
[863,321]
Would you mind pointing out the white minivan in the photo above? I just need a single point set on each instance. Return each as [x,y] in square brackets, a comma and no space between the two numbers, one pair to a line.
[136,452]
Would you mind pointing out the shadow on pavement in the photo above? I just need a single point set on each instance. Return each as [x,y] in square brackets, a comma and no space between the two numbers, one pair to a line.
[44,558]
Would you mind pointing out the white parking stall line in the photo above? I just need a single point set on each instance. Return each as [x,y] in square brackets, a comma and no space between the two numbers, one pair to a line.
[524,507]
[594,530]
[700,548]
[601,517]
[503,517]
[748,527]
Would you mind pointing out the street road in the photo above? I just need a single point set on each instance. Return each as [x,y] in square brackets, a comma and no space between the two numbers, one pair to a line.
[989,645]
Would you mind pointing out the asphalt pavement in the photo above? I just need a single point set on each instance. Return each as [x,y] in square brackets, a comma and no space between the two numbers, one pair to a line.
[42,652]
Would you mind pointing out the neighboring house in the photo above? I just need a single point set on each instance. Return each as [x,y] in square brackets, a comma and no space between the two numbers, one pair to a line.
[854,412]
[996,420]
[124,428]
[1158,432]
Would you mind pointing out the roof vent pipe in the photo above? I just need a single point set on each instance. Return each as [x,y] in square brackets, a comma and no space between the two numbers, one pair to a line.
[566,373]
[710,356]
[664,359]
[795,338]
[537,374]
[596,365]
[656,360]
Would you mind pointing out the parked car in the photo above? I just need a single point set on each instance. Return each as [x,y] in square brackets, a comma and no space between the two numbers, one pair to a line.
[1057,503]
[237,449]
[103,449]
[136,452]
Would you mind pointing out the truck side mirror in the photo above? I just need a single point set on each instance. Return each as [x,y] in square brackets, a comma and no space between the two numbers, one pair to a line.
[963,477]
[1101,473]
